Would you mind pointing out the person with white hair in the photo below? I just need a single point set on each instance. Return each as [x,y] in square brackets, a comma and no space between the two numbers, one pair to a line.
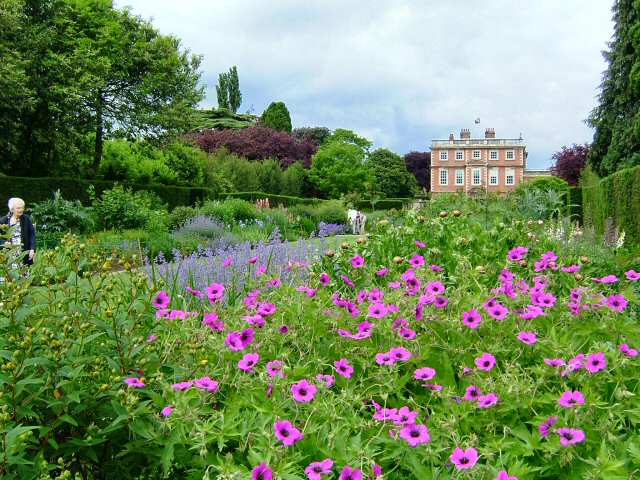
[23,232]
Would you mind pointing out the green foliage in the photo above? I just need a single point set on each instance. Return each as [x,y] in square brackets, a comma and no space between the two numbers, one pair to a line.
[316,135]
[181,214]
[239,173]
[120,208]
[274,199]
[222,118]
[391,176]
[270,175]
[58,215]
[615,198]
[230,210]
[277,116]
[339,166]
[136,163]
[556,184]
[228,90]
[293,180]
[331,211]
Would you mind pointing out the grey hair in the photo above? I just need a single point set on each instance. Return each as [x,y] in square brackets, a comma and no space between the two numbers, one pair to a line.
[13,202]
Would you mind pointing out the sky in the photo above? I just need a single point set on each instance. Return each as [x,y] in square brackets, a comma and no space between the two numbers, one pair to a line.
[404,72]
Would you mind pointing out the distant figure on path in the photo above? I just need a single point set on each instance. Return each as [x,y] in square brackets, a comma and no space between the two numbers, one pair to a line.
[23,233]
[356,220]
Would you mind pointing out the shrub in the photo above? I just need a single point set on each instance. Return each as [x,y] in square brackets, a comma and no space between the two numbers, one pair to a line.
[180,215]
[120,208]
[556,184]
[277,116]
[230,210]
[293,180]
[391,176]
[58,215]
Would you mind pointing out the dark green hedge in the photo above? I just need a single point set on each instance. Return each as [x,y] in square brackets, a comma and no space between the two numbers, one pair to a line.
[274,200]
[33,190]
[617,197]
[384,204]
[574,203]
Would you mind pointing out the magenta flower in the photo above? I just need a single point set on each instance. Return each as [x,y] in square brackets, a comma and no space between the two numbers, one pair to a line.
[498,312]
[420,244]
[166,411]
[274,369]
[617,302]
[503,475]
[357,262]
[212,321]
[382,272]
[325,279]
[472,393]
[152,338]
[435,288]
[384,358]
[570,436]
[385,414]
[234,342]
[424,373]
[632,275]
[303,391]
[570,399]
[596,362]
[315,470]
[266,309]
[464,459]
[554,362]
[527,337]
[416,261]
[343,368]
[488,400]
[215,292]
[262,472]
[134,382]
[376,470]
[378,310]
[571,269]
[205,383]
[253,260]
[485,362]
[283,329]
[407,333]
[328,380]
[415,435]
[249,361]
[433,386]
[441,302]
[287,433]
[517,253]
[405,416]
[349,473]
[182,385]
[400,354]
[471,318]
[162,300]
[628,351]
[545,427]
[606,279]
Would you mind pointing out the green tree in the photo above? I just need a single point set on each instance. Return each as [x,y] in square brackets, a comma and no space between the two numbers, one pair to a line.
[270,176]
[293,180]
[391,176]
[235,95]
[277,116]
[340,165]
[616,140]
[222,91]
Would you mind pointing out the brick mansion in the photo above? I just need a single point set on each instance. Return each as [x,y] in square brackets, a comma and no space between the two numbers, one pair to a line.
[471,165]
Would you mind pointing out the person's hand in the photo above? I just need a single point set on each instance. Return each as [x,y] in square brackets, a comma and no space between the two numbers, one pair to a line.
[31,254]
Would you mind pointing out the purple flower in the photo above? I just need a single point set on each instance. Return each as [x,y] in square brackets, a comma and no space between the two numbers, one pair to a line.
[415,435]
[134,382]
[315,470]
[606,279]
[287,433]
[471,318]
[472,393]
[632,275]
[400,354]
[485,362]
[274,369]
[262,472]
[627,350]
[205,383]
[248,362]
[324,279]
[570,436]
[464,459]
[570,399]
[503,475]
[488,400]
[617,302]
[349,473]
[517,253]
[162,300]
[545,427]
[596,362]
[328,380]
[527,337]
[357,262]
[303,391]
[215,292]
[343,368]
[182,385]
[424,373]
[166,411]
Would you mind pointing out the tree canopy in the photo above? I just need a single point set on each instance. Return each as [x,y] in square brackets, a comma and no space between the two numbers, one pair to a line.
[277,116]
[391,176]
[569,162]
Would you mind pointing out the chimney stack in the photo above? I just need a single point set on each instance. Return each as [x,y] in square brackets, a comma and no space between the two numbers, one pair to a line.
[451,137]
[489,133]
[465,134]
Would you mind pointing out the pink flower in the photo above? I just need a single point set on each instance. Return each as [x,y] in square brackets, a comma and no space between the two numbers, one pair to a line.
[152,338]
[472,393]
[405,416]
[400,354]
[420,244]
[166,411]
[617,303]
[227,262]
[274,369]
[162,300]
[215,292]
[415,435]
[464,459]
[570,399]
[248,362]
[441,302]
[253,260]
[343,368]
[349,473]
[628,351]
[596,362]
[182,385]
[205,383]
[211,321]
[416,261]
[527,337]
[303,391]
[347,281]
[545,427]
[471,318]
[554,362]
[606,279]
[517,253]
[485,362]
[325,279]
[384,358]
[488,400]
[498,311]
[503,475]
[424,373]
[632,275]
[433,386]
[570,436]
[287,433]
[382,272]
[378,310]
[328,380]
[262,472]
[134,382]
[377,470]
[407,333]
[357,262]
[315,470]
[435,288]
[266,309]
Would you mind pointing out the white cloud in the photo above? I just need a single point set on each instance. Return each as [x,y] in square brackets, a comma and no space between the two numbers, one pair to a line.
[404,72]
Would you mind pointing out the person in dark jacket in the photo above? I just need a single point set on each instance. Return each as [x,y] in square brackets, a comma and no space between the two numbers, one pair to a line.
[22,230]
